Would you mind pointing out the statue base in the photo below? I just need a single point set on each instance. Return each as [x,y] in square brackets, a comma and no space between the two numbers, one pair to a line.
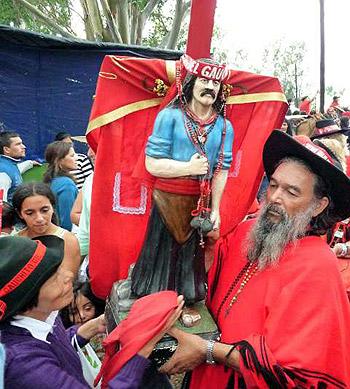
[117,309]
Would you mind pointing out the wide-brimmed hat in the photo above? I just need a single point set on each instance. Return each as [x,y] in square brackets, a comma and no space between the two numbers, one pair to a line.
[25,265]
[280,145]
[326,127]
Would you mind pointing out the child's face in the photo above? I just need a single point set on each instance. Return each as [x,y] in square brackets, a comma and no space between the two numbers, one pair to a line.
[83,310]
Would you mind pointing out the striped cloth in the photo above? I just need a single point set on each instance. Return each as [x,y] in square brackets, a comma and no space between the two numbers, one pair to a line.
[85,168]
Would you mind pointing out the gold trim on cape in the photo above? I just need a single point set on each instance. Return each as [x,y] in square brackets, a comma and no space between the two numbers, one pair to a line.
[256,98]
[170,70]
[120,112]
[137,106]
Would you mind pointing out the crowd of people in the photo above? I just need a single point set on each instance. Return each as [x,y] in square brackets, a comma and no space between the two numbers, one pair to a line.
[277,288]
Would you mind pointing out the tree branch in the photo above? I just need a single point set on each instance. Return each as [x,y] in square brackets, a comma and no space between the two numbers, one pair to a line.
[113,30]
[45,19]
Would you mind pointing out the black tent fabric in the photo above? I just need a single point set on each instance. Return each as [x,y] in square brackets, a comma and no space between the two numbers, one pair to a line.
[47,83]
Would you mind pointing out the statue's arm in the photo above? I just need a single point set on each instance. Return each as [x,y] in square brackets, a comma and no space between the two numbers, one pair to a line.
[170,168]
[218,186]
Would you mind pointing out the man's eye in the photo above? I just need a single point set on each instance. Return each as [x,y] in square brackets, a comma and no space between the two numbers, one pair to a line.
[292,193]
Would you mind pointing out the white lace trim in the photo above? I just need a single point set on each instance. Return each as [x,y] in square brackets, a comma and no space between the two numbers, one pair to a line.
[117,207]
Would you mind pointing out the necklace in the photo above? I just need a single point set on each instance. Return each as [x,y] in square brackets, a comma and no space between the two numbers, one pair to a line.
[245,274]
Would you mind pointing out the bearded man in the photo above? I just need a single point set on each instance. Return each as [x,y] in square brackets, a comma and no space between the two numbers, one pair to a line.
[275,289]
[190,153]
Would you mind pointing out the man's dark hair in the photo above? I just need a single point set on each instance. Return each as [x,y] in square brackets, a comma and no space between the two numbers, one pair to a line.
[62,135]
[5,139]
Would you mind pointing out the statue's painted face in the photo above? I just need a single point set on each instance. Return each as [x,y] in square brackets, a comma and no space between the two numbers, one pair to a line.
[205,91]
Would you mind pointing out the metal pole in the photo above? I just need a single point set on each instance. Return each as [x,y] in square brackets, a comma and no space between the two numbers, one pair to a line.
[322,59]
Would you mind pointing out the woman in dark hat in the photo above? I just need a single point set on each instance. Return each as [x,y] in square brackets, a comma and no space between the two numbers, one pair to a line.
[33,287]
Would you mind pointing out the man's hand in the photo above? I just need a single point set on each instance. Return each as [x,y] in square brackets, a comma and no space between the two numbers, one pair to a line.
[148,347]
[36,163]
[190,353]
[198,165]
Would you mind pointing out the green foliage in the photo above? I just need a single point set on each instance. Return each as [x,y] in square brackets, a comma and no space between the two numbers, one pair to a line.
[160,24]
[287,62]
[16,15]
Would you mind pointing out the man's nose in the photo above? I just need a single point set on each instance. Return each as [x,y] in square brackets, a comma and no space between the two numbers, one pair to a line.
[276,196]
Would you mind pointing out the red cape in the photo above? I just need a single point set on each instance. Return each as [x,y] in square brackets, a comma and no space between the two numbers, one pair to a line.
[121,120]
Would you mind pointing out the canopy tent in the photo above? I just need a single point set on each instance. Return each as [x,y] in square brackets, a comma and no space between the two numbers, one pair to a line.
[47,83]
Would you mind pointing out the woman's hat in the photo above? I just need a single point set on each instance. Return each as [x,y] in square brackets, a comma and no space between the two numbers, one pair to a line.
[280,145]
[25,265]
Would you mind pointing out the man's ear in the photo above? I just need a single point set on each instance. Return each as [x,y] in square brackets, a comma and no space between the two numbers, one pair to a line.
[322,205]
[7,150]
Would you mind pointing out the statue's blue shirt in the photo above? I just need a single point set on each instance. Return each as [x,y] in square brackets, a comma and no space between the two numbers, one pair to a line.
[170,140]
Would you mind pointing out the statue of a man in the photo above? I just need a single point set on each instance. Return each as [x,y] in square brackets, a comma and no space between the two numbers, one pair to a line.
[190,153]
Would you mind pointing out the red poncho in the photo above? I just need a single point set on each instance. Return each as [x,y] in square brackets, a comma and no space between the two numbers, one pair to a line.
[291,323]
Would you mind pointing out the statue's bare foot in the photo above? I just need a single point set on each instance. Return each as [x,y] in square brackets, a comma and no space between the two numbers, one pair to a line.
[190,317]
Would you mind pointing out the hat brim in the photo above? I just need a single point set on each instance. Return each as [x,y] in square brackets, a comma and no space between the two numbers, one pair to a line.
[80,138]
[340,131]
[280,145]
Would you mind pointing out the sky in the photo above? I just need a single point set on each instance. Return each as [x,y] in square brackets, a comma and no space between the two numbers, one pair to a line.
[252,25]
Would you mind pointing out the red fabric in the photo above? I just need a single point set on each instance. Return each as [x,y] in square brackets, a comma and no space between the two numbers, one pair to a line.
[178,186]
[1,207]
[294,316]
[200,29]
[116,236]
[305,106]
[146,319]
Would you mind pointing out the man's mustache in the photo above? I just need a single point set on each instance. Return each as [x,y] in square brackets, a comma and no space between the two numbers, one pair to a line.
[207,91]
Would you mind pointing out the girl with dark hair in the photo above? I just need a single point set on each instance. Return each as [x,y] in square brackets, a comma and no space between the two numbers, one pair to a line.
[35,203]
[61,158]
[85,306]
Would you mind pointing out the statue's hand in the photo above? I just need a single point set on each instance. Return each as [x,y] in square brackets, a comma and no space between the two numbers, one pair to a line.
[198,165]
[215,219]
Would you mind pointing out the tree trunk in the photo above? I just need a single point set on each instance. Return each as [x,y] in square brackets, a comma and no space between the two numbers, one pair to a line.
[180,11]
[95,19]
[122,9]
[88,28]
[322,59]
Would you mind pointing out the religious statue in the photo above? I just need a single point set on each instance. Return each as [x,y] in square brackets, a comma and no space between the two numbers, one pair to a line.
[190,153]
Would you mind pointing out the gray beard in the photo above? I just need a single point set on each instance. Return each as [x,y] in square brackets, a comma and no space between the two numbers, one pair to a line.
[267,240]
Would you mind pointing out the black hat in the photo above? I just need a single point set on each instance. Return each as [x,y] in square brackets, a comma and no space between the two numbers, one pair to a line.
[325,128]
[25,265]
[280,145]
[62,135]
